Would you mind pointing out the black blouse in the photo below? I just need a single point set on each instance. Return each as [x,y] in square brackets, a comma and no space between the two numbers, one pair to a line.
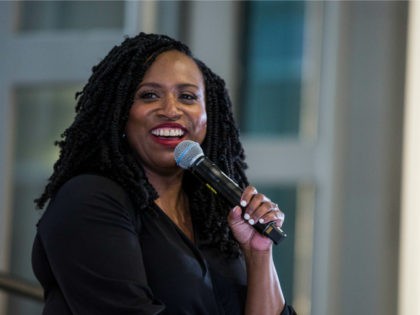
[92,256]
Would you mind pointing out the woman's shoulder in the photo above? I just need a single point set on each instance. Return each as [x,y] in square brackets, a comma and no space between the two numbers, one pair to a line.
[92,186]
[90,181]
[87,207]
[90,195]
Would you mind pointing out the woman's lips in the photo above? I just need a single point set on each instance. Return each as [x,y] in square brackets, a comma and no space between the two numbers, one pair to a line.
[169,130]
[168,134]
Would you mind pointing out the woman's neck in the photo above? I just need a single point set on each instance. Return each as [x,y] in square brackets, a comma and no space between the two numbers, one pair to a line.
[173,200]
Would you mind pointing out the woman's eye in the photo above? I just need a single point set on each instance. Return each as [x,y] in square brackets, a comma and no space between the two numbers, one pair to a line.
[147,95]
[188,97]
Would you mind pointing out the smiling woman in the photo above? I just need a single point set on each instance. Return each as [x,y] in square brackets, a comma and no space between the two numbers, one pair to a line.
[168,107]
[126,230]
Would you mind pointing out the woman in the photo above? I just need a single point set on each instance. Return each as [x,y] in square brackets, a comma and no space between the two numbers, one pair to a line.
[126,230]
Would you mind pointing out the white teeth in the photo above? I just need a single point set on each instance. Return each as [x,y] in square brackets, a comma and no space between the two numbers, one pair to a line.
[168,132]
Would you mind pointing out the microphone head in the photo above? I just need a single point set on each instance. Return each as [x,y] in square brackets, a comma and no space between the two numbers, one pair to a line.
[186,152]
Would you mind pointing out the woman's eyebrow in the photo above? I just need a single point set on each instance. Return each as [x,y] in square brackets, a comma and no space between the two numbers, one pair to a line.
[149,84]
[158,85]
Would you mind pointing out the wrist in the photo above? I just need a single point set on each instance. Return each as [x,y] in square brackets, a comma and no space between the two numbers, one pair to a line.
[254,256]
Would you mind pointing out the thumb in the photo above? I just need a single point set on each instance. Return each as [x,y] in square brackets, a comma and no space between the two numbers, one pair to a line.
[234,216]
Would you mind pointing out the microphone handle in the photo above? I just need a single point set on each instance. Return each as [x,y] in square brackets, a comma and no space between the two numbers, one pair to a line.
[219,183]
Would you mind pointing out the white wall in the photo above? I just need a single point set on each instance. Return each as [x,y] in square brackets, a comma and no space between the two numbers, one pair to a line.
[367,83]
[409,282]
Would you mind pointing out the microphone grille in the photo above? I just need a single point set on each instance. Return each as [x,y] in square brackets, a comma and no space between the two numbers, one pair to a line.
[186,152]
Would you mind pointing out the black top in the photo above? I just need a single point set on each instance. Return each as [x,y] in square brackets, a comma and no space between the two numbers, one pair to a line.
[92,256]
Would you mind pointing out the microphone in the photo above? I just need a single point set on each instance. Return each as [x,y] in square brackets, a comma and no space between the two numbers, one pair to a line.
[189,155]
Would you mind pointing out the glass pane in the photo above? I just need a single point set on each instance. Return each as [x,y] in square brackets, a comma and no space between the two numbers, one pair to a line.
[293,256]
[41,115]
[172,18]
[272,61]
[70,15]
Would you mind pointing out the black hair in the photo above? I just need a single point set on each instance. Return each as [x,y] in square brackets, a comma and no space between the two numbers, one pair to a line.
[93,143]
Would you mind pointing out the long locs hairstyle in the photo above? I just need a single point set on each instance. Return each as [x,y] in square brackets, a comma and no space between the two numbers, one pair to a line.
[94,143]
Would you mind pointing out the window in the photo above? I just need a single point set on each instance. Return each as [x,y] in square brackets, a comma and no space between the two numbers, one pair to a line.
[41,114]
[70,15]
[273,45]
[279,79]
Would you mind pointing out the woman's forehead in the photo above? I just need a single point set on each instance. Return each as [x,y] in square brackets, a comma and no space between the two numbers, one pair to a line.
[174,65]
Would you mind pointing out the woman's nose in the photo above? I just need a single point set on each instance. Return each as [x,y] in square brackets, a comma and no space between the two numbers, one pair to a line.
[170,108]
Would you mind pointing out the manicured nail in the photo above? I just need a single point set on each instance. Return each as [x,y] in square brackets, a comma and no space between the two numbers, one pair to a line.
[261,220]
[251,221]
[246,216]
[243,203]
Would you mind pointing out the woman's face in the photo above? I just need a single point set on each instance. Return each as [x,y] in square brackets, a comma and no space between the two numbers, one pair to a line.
[169,107]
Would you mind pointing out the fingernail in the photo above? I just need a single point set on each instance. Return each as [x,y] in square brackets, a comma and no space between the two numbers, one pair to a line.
[246,216]
[251,221]
[261,220]
[243,203]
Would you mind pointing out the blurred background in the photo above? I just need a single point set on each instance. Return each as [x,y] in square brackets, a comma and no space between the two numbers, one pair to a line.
[319,91]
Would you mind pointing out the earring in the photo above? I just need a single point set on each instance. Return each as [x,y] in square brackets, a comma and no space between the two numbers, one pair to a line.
[123,136]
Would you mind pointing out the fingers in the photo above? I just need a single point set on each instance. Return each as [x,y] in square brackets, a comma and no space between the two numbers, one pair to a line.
[259,208]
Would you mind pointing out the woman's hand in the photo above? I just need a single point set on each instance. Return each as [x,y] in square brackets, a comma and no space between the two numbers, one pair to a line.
[257,208]
[264,295]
